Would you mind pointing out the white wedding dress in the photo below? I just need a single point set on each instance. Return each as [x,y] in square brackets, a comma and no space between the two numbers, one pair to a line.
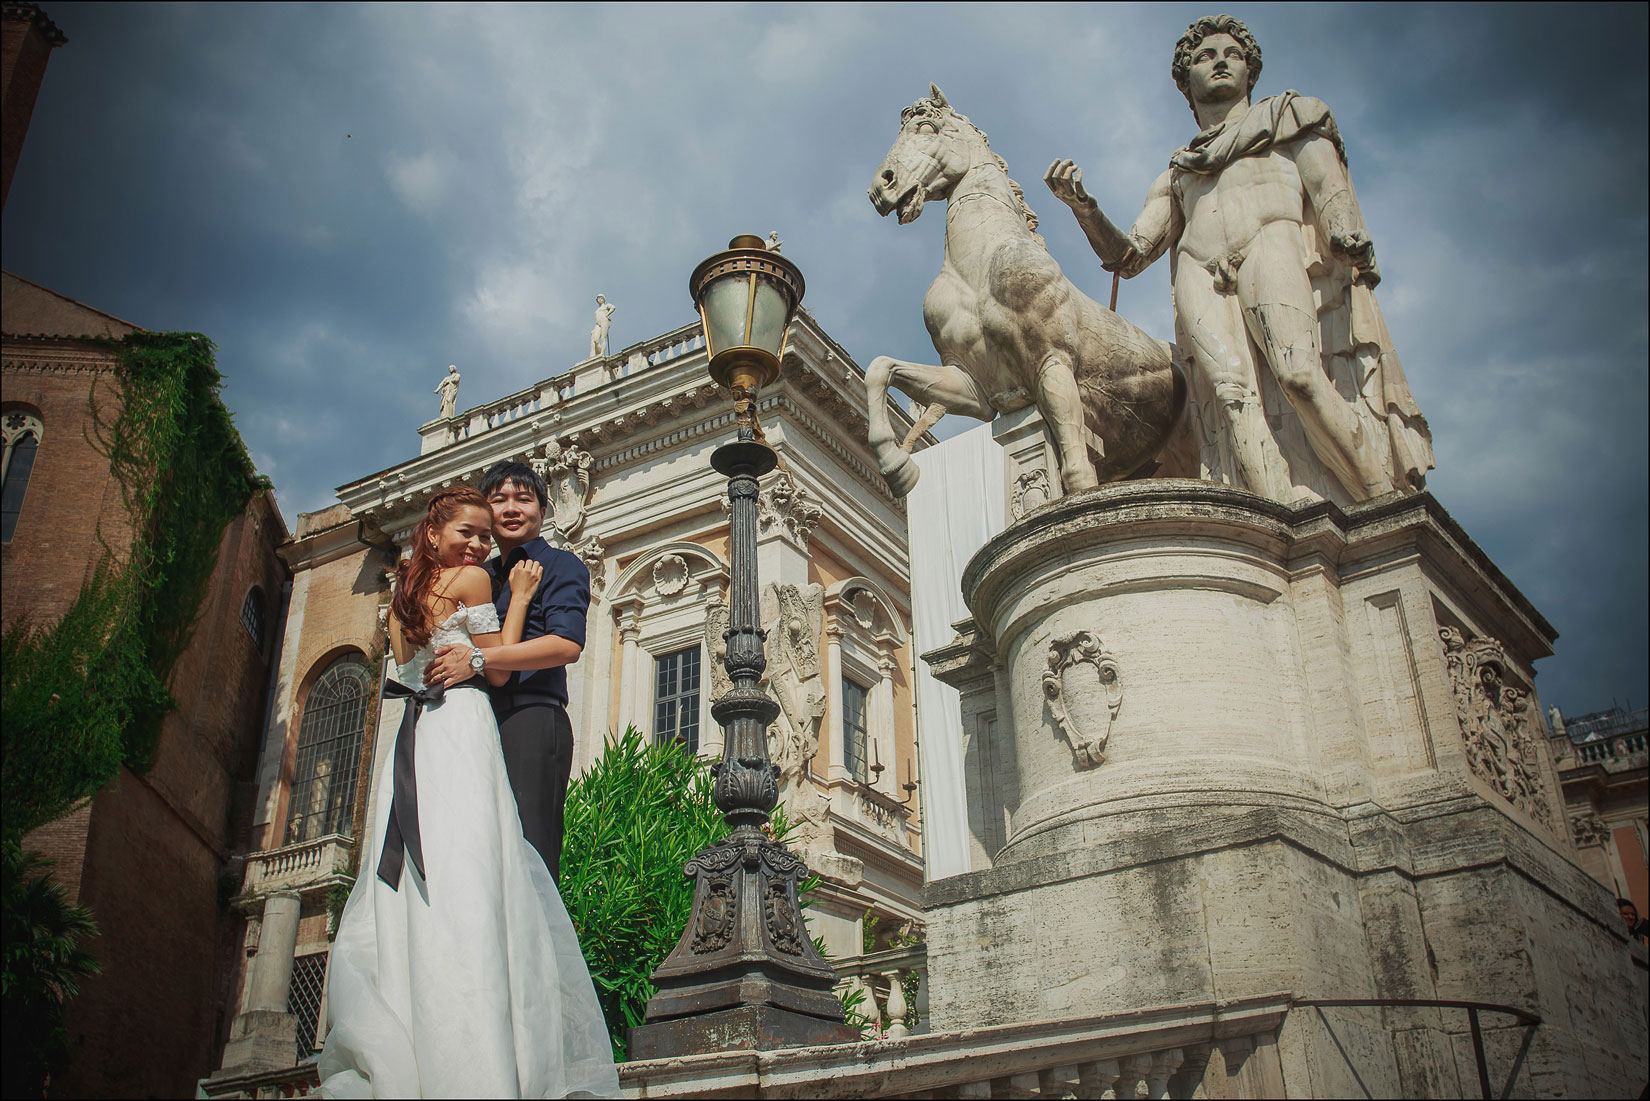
[471,984]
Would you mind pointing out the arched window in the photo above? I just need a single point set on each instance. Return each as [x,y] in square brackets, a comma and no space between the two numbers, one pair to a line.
[252,617]
[329,749]
[23,432]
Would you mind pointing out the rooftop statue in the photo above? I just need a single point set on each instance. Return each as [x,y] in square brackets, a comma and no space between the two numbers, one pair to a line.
[448,391]
[1010,329]
[1296,391]
[604,322]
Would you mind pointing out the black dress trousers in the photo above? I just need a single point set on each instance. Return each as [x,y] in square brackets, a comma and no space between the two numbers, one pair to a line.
[538,755]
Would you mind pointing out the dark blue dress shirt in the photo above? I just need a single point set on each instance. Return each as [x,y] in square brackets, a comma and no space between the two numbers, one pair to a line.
[558,608]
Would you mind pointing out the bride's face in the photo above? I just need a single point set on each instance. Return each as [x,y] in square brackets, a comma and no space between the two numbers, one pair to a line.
[467,539]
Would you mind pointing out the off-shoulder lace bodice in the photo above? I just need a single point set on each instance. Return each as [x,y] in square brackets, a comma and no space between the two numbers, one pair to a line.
[457,629]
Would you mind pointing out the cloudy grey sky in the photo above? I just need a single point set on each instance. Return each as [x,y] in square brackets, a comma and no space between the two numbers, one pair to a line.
[347,199]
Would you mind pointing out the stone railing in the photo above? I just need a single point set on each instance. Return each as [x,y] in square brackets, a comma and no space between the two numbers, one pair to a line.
[1164,1052]
[1620,751]
[895,986]
[298,1081]
[584,377]
[306,867]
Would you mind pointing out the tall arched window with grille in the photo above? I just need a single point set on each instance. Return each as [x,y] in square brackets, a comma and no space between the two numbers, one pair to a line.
[23,432]
[329,749]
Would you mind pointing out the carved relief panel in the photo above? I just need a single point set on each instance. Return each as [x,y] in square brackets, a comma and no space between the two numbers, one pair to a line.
[1084,694]
[1502,749]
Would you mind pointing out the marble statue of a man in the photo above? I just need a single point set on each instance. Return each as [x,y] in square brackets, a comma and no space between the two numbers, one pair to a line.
[1296,390]
[448,390]
[604,322]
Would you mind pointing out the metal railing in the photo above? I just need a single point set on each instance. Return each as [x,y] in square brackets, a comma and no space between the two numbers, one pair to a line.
[1522,1016]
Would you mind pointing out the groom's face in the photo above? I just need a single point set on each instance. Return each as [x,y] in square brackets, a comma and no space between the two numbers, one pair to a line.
[517,514]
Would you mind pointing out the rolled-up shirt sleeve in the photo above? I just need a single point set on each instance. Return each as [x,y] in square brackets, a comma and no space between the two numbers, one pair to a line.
[563,600]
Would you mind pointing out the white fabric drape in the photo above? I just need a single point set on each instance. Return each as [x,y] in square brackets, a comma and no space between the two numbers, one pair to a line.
[956,506]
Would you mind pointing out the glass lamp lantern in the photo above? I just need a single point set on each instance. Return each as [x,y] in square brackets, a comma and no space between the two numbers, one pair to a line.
[746,297]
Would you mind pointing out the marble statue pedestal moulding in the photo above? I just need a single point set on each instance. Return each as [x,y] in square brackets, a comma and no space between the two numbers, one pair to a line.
[1217,745]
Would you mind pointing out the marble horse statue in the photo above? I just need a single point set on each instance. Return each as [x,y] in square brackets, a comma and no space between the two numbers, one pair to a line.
[1010,329]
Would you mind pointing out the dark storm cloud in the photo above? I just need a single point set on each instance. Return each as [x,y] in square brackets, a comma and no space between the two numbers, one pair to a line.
[348,199]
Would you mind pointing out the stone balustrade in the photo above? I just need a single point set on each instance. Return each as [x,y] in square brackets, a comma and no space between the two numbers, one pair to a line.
[307,867]
[1619,751]
[1209,1049]
[895,987]
[299,1081]
[584,377]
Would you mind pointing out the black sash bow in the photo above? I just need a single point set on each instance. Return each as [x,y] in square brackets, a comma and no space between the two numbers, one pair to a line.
[402,834]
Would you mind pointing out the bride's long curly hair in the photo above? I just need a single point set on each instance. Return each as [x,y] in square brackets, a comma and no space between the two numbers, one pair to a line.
[415,578]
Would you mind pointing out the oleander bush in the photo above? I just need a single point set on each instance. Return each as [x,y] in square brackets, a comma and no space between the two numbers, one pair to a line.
[632,821]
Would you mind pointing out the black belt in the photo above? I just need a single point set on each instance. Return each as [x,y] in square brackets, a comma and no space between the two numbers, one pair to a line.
[508,700]
[402,834]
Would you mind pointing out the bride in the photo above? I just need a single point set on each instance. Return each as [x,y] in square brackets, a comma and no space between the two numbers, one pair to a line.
[456,971]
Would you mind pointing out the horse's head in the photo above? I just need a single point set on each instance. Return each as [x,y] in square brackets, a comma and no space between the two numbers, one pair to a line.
[934,149]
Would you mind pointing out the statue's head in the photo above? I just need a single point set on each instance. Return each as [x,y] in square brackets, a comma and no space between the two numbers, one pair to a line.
[452,368]
[600,300]
[1216,59]
[935,148]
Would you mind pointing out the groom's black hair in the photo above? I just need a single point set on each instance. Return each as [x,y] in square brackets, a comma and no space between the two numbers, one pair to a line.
[522,475]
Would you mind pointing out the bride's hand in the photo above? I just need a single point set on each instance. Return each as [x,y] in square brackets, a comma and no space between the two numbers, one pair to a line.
[525,578]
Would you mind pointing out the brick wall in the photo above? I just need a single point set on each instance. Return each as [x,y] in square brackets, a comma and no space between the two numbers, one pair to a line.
[148,852]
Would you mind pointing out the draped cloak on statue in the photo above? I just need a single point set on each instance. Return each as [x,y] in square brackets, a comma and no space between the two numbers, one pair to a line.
[1357,349]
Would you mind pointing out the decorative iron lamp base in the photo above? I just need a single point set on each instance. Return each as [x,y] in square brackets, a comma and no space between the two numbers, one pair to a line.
[746,975]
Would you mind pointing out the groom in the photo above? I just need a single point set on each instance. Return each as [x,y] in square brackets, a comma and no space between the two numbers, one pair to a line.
[532,705]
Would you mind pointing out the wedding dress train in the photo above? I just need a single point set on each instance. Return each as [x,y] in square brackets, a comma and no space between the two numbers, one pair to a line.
[469,983]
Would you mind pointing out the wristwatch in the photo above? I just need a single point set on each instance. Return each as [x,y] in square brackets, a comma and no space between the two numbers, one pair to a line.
[478,659]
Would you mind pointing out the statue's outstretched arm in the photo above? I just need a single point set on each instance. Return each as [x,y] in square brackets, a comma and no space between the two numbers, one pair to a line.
[1130,253]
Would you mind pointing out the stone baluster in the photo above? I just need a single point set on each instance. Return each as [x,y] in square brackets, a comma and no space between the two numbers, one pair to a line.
[1163,1066]
[1131,1076]
[1188,1080]
[1057,1082]
[897,1008]
[1096,1080]
[873,1011]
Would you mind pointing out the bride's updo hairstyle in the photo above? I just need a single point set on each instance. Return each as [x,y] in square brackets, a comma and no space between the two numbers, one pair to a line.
[415,578]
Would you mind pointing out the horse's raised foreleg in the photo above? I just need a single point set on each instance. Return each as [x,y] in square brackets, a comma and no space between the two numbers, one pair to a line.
[1061,403]
[949,389]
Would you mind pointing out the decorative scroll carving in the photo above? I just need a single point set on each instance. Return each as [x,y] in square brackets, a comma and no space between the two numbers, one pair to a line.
[1083,703]
[566,474]
[718,910]
[593,555]
[718,619]
[1031,490]
[1589,829]
[782,502]
[670,575]
[795,617]
[779,912]
[1495,723]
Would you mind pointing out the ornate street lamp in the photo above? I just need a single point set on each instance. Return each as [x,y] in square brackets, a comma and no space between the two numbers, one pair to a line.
[745,974]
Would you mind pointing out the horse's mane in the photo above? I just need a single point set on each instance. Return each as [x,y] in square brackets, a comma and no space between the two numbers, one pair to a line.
[928,108]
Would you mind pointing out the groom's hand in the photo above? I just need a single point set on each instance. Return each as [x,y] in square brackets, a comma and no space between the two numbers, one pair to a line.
[450,666]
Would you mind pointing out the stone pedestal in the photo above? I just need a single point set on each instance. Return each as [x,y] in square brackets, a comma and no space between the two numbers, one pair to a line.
[265,1036]
[1217,746]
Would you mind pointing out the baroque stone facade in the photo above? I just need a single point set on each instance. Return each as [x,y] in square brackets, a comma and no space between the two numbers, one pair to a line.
[623,443]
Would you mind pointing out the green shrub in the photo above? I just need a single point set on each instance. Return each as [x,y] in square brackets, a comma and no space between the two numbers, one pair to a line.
[632,821]
[44,961]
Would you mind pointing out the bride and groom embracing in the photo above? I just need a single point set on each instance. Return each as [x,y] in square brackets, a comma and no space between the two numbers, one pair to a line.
[456,971]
